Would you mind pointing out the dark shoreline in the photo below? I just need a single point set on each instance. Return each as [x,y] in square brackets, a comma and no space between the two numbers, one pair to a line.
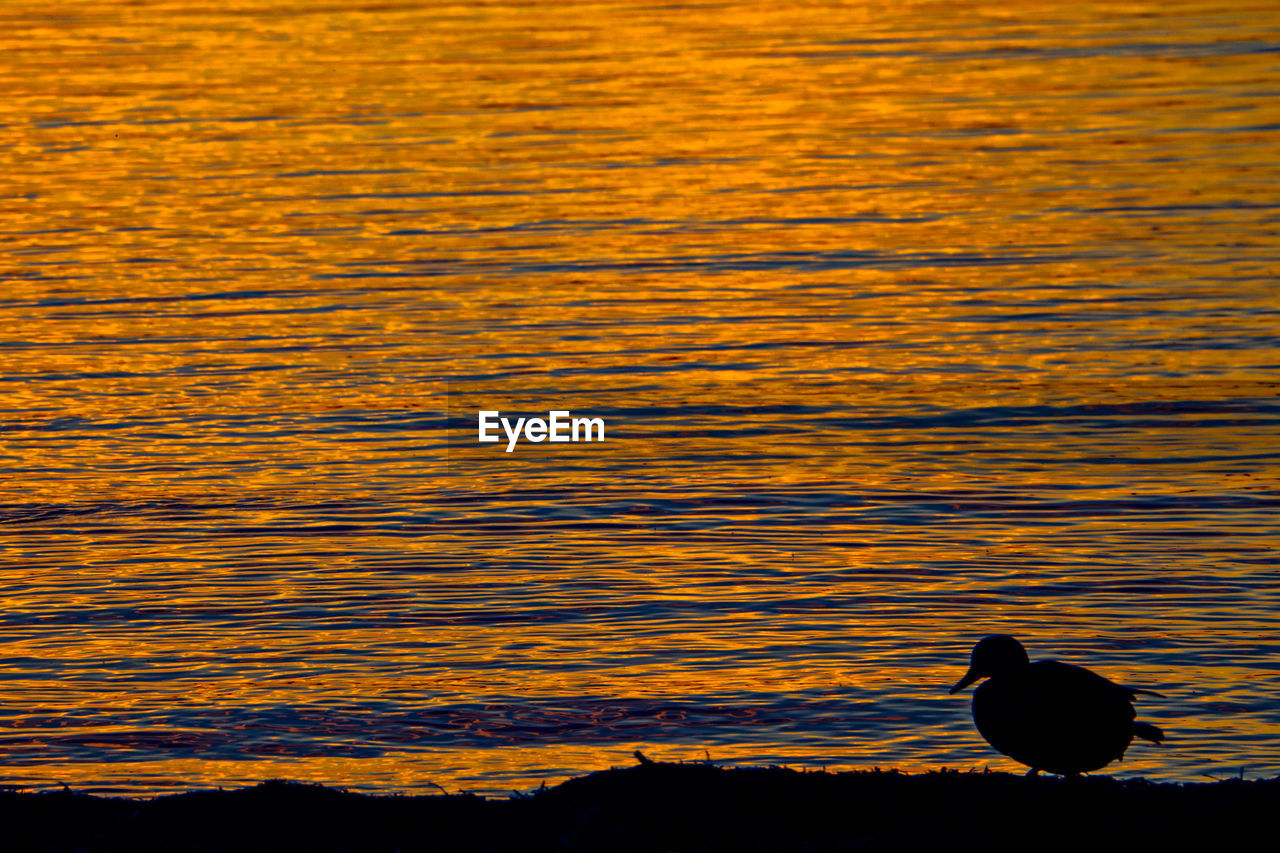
[669,807]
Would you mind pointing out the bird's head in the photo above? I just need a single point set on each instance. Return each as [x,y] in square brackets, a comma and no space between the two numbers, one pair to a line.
[993,655]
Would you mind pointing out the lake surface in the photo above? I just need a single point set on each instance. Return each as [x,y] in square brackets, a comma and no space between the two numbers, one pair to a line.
[907,324]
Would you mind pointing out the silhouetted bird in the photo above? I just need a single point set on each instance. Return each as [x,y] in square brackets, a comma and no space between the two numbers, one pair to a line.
[1050,715]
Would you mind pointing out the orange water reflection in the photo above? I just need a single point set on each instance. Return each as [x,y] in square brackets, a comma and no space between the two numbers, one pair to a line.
[911,323]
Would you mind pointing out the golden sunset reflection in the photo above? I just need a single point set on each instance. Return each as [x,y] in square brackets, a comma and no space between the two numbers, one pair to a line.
[909,323]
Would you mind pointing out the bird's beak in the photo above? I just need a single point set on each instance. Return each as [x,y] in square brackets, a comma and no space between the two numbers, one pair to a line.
[969,677]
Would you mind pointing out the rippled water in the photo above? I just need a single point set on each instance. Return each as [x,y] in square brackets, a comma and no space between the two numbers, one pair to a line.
[907,324]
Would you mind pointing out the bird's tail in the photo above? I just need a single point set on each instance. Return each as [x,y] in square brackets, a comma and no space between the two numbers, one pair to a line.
[1146,731]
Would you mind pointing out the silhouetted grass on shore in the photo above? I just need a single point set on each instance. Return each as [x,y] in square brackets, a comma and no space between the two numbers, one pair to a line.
[669,807]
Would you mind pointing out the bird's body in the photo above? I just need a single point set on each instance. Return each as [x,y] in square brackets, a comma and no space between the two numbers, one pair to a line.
[1050,715]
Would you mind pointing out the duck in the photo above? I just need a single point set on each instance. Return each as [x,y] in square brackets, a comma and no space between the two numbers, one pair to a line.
[1049,715]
